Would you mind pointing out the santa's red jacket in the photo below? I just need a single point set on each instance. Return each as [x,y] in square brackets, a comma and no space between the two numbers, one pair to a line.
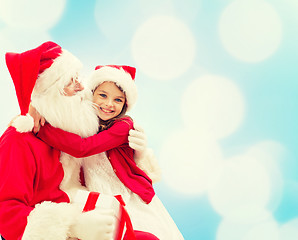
[30,177]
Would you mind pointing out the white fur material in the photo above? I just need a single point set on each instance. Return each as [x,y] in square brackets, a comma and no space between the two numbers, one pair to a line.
[120,77]
[23,123]
[62,70]
[148,163]
[70,113]
[51,220]
[71,180]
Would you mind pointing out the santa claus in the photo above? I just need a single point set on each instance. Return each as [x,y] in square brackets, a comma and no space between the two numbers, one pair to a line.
[38,182]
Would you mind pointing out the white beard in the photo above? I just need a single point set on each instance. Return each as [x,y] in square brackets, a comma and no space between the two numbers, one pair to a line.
[74,114]
[71,113]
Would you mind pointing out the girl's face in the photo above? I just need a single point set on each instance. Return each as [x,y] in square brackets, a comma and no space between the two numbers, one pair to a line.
[109,100]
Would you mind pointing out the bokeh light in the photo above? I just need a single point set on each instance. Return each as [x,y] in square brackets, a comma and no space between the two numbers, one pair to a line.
[163,47]
[250,30]
[114,30]
[258,227]
[31,14]
[31,38]
[213,105]
[244,184]
[190,164]
[270,154]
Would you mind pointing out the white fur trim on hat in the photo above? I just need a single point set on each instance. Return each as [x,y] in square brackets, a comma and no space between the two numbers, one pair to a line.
[120,77]
[23,123]
[63,69]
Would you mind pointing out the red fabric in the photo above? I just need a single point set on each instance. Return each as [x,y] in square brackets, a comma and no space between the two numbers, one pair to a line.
[121,226]
[140,235]
[130,70]
[129,228]
[30,174]
[122,220]
[48,56]
[115,142]
[120,199]
[25,67]
[91,201]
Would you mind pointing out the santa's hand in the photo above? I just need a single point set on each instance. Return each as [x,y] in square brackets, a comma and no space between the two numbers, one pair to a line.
[94,225]
[137,141]
[38,119]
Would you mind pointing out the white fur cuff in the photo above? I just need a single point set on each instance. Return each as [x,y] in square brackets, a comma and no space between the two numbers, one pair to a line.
[149,165]
[51,220]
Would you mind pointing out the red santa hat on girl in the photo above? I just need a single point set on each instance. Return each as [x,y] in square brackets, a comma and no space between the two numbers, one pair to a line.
[123,76]
[35,71]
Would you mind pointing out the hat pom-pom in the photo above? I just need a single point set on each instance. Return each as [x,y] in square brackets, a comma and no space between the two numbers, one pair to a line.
[23,123]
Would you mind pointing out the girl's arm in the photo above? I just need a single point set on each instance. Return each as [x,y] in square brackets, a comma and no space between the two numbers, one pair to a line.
[76,146]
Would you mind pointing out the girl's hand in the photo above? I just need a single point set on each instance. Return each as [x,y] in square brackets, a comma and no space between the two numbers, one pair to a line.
[137,141]
[38,119]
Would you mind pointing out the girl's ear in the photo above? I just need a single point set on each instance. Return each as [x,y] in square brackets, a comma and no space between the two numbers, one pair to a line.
[130,70]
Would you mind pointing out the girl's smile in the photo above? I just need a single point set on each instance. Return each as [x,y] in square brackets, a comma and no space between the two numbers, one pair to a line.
[106,110]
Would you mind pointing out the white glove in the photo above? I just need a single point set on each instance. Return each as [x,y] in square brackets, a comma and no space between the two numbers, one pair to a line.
[94,225]
[137,141]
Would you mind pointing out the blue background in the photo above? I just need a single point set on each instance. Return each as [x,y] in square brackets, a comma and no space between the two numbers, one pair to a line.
[105,32]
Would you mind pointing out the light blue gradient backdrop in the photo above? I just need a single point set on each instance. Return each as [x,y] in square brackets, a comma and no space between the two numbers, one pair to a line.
[269,88]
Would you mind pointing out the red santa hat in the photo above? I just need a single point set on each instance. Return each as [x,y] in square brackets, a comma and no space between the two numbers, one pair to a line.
[123,76]
[33,72]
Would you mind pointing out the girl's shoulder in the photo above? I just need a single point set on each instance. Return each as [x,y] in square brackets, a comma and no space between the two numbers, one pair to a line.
[126,120]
